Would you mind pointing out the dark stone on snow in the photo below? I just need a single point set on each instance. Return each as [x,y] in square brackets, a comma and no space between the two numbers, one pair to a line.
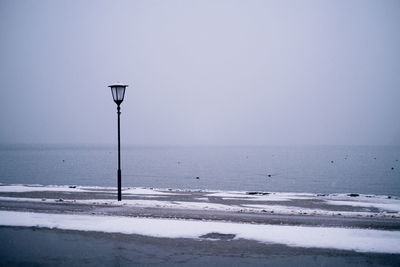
[218,236]
[257,193]
[353,195]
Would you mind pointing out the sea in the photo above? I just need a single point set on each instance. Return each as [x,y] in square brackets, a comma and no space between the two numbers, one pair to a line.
[312,169]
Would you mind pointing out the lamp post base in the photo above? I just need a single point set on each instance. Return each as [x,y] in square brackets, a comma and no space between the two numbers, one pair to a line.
[119,185]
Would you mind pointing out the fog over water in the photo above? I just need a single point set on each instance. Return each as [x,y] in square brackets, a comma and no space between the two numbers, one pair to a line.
[201,72]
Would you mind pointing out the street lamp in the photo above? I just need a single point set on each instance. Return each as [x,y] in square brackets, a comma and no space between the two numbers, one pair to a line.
[118,93]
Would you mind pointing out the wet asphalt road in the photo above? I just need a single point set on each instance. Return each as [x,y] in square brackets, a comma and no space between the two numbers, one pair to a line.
[44,247]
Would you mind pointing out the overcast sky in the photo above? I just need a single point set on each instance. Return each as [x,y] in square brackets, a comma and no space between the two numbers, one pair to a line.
[201,72]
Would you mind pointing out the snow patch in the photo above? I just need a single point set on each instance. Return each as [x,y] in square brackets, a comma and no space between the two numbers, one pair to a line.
[238,195]
[24,188]
[395,206]
[64,188]
[145,191]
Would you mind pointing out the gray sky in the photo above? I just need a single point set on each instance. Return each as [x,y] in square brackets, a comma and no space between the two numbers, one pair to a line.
[201,72]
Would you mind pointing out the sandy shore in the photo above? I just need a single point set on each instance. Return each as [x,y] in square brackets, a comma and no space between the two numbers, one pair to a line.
[351,222]
[338,210]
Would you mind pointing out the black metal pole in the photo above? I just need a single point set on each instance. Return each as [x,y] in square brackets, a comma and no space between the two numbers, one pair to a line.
[119,155]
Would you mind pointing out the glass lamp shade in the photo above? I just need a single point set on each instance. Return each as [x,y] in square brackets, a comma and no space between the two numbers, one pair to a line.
[118,92]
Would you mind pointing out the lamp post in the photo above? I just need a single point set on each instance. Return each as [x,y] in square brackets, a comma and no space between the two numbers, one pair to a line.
[118,93]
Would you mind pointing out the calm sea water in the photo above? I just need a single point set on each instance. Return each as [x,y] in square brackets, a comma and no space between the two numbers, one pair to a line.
[316,169]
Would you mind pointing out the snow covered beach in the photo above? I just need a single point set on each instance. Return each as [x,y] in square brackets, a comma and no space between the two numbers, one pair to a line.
[363,223]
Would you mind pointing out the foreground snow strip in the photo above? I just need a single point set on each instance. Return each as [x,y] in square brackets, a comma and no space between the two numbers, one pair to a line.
[319,237]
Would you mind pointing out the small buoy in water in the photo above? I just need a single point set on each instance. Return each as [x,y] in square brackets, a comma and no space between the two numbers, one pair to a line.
[374,158]
[269,175]
[63,160]
[331,161]
[392,168]
[197,177]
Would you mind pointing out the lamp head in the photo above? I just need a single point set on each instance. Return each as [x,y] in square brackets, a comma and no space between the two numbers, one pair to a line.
[118,92]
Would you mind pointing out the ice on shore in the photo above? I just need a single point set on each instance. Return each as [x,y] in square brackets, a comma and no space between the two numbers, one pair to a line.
[361,240]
